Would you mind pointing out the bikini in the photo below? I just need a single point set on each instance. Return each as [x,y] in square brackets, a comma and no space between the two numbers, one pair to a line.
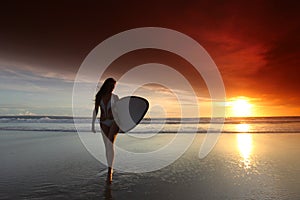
[107,122]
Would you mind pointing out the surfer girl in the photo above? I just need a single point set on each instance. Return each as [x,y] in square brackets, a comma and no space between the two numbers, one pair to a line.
[105,99]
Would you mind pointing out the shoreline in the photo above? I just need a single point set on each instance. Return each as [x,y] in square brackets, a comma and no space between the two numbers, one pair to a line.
[57,165]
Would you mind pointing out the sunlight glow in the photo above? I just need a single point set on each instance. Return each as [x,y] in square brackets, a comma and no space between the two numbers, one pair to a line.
[240,107]
[244,143]
[242,127]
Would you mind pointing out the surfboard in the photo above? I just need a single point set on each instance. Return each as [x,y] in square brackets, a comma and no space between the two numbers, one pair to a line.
[129,111]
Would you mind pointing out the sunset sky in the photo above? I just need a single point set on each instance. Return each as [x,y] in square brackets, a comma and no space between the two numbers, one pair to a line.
[255,44]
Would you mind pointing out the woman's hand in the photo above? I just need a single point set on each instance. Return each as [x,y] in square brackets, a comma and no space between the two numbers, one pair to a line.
[93,128]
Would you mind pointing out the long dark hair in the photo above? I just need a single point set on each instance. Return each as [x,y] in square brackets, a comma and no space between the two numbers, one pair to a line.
[106,88]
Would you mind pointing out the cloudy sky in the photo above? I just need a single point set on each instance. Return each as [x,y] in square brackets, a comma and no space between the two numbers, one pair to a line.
[255,44]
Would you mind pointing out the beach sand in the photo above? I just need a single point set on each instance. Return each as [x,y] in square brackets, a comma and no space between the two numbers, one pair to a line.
[55,165]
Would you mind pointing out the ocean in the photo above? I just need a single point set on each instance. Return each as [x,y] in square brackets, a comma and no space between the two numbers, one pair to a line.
[155,125]
[43,157]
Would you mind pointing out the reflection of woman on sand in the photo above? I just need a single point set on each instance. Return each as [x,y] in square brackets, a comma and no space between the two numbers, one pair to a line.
[105,99]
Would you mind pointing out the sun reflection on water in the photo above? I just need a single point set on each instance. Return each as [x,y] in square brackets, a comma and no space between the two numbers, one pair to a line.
[244,144]
[242,128]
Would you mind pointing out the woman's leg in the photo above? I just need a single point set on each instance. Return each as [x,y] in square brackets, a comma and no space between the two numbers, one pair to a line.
[113,130]
[105,132]
[109,137]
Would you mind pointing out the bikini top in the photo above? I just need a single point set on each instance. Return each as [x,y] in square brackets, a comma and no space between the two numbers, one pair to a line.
[110,103]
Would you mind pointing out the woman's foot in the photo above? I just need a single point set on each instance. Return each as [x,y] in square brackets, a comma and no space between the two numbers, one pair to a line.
[109,176]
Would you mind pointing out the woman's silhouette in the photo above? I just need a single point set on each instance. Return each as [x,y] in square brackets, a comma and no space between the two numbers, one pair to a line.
[105,99]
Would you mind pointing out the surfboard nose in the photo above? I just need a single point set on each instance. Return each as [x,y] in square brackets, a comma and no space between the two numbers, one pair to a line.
[129,111]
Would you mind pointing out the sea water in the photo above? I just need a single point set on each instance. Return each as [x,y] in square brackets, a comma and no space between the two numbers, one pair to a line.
[155,125]
[42,157]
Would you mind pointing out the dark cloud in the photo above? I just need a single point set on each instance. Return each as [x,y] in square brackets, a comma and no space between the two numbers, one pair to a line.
[283,62]
[254,43]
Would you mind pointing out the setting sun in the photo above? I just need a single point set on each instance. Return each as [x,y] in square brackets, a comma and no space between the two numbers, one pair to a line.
[240,107]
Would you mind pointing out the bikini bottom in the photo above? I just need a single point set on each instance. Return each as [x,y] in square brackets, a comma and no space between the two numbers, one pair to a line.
[107,122]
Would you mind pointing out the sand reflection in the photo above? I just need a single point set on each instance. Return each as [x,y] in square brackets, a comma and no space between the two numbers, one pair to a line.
[244,144]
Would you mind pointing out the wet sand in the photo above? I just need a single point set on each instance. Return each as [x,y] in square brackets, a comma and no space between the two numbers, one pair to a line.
[53,165]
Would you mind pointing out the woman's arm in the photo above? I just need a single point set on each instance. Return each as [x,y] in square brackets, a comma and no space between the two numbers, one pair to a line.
[95,112]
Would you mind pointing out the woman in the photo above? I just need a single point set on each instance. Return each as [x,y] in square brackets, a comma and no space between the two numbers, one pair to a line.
[105,99]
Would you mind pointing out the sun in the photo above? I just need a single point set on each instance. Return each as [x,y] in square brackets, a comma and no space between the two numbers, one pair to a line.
[240,107]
